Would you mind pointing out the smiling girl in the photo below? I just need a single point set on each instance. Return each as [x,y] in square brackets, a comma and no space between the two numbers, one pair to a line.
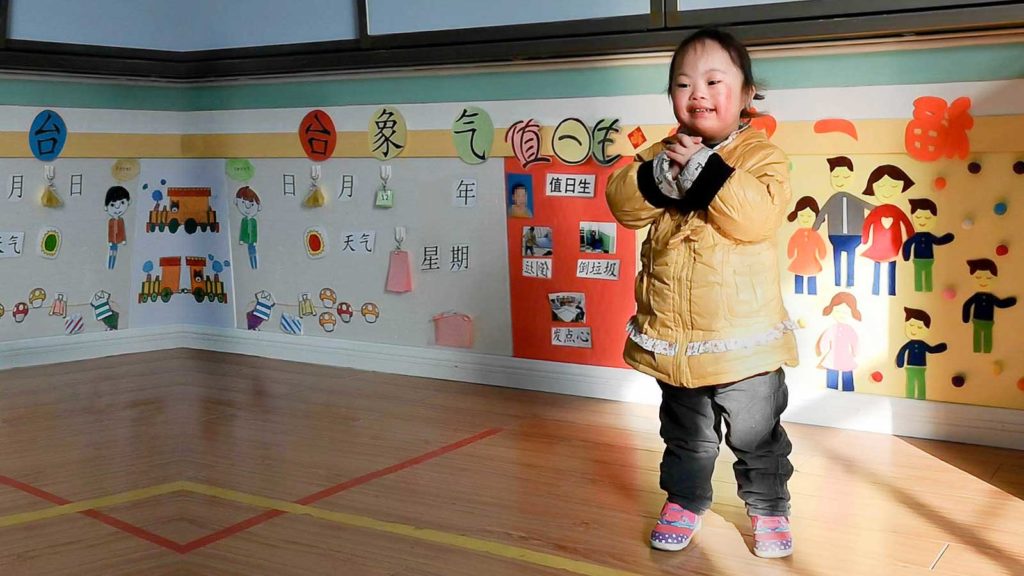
[710,325]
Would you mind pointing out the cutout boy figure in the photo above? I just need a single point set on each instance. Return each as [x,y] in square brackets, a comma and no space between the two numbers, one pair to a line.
[914,354]
[980,309]
[838,345]
[845,214]
[920,246]
[885,226]
[806,249]
[115,204]
[248,203]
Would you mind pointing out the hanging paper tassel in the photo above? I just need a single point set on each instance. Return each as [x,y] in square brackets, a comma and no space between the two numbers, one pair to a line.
[316,198]
[50,199]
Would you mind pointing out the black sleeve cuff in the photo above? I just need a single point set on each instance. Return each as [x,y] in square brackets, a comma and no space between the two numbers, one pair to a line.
[649,187]
[710,180]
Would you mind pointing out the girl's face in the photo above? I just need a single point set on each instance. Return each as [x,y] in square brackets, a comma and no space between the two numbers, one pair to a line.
[887,189]
[707,92]
[805,218]
[841,313]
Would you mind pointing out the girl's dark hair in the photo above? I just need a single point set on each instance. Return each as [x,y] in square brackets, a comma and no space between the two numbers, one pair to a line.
[890,170]
[734,48]
[802,204]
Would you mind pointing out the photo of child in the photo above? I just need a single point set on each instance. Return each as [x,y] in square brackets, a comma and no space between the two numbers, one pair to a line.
[568,307]
[537,241]
[597,237]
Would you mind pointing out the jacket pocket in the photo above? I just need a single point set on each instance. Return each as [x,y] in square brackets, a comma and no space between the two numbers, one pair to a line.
[750,287]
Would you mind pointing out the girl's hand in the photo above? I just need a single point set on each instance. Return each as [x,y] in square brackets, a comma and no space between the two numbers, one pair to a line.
[680,151]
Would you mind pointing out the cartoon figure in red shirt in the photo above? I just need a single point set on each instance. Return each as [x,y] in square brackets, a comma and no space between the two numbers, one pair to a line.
[887,226]
[115,204]
[806,248]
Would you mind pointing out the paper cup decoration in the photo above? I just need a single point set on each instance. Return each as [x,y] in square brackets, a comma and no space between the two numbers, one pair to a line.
[291,324]
[36,297]
[328,298]
[328,321]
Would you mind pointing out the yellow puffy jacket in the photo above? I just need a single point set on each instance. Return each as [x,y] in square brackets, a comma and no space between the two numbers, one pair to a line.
[709,302]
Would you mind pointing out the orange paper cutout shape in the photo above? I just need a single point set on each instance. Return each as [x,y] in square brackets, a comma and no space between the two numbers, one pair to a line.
[828,125]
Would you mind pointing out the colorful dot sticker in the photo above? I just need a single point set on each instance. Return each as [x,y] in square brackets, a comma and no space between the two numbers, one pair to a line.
[949,293]
[999,208]
[1002,250]
[876,376]
[959,380]
[974,168]
[967,224]
[940,183]
[1018,167]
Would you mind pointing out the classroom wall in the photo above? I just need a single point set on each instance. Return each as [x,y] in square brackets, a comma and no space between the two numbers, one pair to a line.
[185,135]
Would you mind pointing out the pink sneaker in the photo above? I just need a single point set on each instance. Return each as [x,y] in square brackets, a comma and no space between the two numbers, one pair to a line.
[675,528]
[772,538]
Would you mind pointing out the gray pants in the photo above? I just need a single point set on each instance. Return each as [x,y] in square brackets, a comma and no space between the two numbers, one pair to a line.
[691,425]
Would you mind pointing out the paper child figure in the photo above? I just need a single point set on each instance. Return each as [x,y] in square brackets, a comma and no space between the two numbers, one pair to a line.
[261,312]
[104,313]
[984,303]
[248,203]
[115,204]
[806,248]
[914,354]
[885,226]
[838,345]
[845,214]
[920,246]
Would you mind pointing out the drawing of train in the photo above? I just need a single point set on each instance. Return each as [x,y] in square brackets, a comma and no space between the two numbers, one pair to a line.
[188,207]
[168,283]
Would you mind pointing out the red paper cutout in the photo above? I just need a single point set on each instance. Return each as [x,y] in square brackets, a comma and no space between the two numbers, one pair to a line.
[939,129]
[317,135]
[836,125]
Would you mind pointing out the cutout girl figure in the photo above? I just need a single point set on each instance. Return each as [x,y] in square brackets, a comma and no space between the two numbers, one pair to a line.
[887,226]
[806,248]
[838,345]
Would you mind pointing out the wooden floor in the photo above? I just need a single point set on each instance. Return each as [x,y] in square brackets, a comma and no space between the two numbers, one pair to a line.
[186,462]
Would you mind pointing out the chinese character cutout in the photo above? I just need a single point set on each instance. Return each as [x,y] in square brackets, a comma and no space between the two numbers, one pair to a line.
[387,133]
[473,134]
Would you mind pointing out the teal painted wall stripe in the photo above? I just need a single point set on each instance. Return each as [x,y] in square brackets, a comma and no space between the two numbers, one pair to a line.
[957,64]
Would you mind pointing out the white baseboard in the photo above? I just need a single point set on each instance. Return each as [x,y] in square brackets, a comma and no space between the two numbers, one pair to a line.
[56,349]
[816,406]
